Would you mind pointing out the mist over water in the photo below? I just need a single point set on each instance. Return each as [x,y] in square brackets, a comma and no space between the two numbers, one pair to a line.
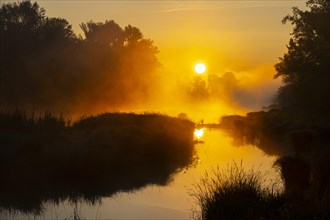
[110,68]
[208,96]
[98,114]
[212,95]
[47,70]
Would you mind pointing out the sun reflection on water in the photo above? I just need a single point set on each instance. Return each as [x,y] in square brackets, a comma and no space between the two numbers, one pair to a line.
[199,133]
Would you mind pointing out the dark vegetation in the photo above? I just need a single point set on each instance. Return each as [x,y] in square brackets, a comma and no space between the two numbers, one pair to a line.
[45,66]
[296,128]
[235,193]
[46,159]
[278,133]
[305,67]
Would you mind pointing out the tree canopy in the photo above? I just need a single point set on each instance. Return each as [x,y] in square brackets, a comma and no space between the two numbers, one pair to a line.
[44,64]
[305,67]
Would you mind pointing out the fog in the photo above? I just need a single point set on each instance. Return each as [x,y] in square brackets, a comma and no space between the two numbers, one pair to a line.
[48,68]
[210,95]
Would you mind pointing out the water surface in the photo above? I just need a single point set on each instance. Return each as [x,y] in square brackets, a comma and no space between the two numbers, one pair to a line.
[171,201]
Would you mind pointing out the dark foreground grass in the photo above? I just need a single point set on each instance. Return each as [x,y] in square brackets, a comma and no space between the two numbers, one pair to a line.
[47,159]
[235,193]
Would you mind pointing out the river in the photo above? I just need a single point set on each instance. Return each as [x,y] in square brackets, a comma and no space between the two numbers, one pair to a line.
[173,200]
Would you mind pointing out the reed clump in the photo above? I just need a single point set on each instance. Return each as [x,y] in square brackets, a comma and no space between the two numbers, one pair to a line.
[235,193]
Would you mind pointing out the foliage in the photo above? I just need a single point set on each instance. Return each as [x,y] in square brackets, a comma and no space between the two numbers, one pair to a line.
[44,65]
[270,131]
[305,67]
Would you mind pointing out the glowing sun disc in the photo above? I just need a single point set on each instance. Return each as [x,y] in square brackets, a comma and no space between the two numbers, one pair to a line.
[200,68]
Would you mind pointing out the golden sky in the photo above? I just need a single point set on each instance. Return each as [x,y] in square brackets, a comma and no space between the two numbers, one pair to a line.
[226,34]
[242,37]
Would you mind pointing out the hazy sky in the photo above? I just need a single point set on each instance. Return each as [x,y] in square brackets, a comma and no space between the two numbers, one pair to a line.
[245,38]
[225,34]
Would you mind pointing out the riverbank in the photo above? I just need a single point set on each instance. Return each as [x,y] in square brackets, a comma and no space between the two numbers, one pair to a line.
[47,158]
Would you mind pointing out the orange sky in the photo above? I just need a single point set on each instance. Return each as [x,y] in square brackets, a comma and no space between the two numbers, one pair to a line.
[242,37]
[226,34]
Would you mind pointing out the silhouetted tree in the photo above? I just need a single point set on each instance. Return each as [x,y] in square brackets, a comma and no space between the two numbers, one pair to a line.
[108,34]
[25,28]
[33,48]
[199,89]
[126,62]
[132,34]
[46,66]
[305,67]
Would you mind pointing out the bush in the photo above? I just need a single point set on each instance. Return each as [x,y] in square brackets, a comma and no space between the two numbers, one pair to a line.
[235,193]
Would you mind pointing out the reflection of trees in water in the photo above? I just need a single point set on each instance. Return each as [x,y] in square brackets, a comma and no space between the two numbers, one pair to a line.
[303,146]
[267,131]
[277,132]
[44,160]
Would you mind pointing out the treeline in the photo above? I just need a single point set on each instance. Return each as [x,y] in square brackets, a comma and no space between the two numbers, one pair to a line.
[46,66]
[304,68]
[277,132]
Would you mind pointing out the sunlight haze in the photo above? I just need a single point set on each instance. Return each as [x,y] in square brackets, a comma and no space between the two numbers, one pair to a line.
[163,109]
[242,37]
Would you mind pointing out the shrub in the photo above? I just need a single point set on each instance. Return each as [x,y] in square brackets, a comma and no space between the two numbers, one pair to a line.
[235,193]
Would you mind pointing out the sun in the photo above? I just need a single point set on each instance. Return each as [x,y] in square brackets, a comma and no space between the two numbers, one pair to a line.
[200,68]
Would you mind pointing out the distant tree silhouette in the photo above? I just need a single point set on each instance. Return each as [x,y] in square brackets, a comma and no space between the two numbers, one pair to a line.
[126,62]
[25,28]
[32,48]
[199,90]
[108,34]
[306,65]
[132,34]
[45,65]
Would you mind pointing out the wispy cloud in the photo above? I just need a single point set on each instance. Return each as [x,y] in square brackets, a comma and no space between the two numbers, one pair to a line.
[181,6]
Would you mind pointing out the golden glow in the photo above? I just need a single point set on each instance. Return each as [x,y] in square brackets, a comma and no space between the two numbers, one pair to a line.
[224,36]
[199,133]
[200,68]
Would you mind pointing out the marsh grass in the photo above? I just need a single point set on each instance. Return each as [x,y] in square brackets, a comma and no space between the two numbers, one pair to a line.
[235,193]
[20,120]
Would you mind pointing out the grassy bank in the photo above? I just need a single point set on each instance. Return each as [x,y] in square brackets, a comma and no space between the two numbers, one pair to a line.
[234,193]
[48,159]
[238,194]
